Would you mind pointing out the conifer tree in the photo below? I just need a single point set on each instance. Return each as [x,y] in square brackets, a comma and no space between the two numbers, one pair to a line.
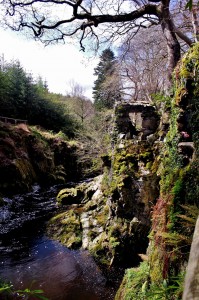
[105,92]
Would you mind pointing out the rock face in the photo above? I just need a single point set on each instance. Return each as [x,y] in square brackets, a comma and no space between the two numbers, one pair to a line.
[191,287]
[173,216]
[27,157]
[148,192]
[136,120]
[110,216]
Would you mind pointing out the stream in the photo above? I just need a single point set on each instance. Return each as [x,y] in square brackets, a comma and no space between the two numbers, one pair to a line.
[30,259]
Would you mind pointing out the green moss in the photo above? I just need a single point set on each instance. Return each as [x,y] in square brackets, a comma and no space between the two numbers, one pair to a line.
[100,250]
[57,217]
[146,156]
[71,195]
[66,228]
[190,63]
[134,283]
[125,165]
[149,165]
[180,93]
[156,265]
[179,183]
[102,216]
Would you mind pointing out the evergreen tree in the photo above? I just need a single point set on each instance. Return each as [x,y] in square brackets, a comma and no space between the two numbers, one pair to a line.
[19,91]
[105,92]
[4,87]
[23,98]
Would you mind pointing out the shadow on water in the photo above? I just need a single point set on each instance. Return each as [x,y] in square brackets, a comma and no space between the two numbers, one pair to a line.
[28,258]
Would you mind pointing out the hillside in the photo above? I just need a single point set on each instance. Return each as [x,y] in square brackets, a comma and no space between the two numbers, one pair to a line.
[29,155]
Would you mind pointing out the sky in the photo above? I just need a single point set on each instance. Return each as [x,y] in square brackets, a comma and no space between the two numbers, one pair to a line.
[57,64]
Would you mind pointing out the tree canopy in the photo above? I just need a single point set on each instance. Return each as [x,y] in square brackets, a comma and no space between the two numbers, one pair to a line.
[55,20]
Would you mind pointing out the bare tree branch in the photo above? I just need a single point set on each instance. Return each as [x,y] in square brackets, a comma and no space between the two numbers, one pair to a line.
[89,20]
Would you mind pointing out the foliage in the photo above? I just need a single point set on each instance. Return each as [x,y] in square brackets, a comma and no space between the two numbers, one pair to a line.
[167,290]
[7,292]
[104,95]
[27,293]
[134,284]
[176,211]
[80,107]
[5,287]
[160,99]
[90,23]
[95,141]
[23,98]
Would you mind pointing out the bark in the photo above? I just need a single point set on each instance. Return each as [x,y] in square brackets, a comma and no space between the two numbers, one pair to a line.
[195,22]
[183,37]
[173,46]
[89,21]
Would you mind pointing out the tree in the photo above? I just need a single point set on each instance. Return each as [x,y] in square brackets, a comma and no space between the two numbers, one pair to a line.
[20,90]
[4,87]
[22,98]
[41,86]
[85,19]
[143,63]
[106,91]
[78,103]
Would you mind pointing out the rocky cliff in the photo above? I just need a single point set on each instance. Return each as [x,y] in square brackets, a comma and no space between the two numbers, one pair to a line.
[110,216]
[141,211]
[174,213]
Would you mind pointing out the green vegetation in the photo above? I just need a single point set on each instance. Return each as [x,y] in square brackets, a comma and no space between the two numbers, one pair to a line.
[176,211]
[21,97]
[109,218]
[106,87]
[137,285]
[7,292]
[95,142]
[134,284]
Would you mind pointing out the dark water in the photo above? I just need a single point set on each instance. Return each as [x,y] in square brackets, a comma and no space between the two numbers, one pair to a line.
[29,259]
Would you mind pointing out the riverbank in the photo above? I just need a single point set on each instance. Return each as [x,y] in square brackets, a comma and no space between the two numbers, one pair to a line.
[29,155]
[30,259]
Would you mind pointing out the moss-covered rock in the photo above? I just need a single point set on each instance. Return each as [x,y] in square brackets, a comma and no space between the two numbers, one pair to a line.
[29,155]
[66,228]
[81,193]
[173,214]
[70,196]
[114,209]
[170,236]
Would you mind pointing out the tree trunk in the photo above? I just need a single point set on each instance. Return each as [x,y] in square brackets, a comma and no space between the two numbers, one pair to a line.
[173,46]
[195,22]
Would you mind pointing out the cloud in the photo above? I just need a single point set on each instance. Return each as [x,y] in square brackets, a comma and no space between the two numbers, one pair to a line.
[58,64]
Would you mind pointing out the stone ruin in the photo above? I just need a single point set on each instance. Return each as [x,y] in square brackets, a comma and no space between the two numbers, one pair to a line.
[136,120]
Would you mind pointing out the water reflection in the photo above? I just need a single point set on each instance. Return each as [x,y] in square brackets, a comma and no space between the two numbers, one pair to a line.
[29,259]
[61,273]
